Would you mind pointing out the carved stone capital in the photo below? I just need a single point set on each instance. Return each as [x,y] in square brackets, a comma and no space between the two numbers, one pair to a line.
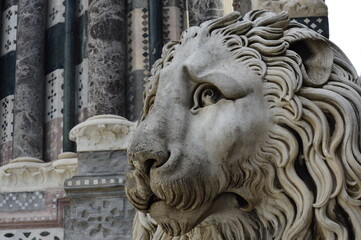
[30,174]
[102,133]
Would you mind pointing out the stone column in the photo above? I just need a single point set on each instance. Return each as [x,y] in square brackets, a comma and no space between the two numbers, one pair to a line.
[106,46]
[203,10]
[98,207]
[29,79]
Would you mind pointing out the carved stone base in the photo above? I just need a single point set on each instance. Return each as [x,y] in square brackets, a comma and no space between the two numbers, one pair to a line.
[99,217]
[98,206]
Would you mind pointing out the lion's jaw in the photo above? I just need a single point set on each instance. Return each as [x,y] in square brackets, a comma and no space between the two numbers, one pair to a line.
[187,153]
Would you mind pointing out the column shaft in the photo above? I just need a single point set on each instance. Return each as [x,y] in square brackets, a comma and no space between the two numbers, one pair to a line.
[69,75]
[155,30]
[106,32]
[29,79]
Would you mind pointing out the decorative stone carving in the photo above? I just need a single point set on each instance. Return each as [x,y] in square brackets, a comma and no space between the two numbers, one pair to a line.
[295,8]
[250,130]
[103,218]
[31,174]
[32,234]
[38,209]
[102,133]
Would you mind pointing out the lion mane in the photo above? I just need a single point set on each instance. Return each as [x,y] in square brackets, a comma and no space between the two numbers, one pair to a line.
[307,174]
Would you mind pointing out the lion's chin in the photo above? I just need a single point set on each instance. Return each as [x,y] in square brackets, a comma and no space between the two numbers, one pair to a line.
[176,222]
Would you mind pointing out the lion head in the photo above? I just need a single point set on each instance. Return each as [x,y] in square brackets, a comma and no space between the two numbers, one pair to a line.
[250,130]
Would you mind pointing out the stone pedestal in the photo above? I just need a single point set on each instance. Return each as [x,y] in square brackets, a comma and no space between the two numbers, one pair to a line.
[98,207]
[32,197]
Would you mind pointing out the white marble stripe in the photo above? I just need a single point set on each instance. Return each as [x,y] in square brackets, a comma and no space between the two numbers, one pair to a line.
[6,118]
[56,12]
[82,6]
[9,30]
[54,95]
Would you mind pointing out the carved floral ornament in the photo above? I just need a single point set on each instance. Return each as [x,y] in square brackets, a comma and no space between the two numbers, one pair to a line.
[250,130]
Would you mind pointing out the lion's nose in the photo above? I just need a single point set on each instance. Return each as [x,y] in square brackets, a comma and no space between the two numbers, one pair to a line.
[146,158]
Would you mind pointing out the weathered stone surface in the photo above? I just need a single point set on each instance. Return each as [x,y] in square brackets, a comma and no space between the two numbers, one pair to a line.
[106,162]
[203,10]
[106,48]
[30,74]
[106,217]
[250,130]
[6,152]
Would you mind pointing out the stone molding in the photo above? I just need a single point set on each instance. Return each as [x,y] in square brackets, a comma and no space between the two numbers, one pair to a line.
[102,133]
[27,174]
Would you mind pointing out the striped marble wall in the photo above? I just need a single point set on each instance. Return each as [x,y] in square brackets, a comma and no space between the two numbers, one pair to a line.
[54,79]
[173,21]
[138,55]
[138,46]
[9,11]
[54,75]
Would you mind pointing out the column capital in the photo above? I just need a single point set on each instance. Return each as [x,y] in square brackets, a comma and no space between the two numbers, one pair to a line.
[102,133]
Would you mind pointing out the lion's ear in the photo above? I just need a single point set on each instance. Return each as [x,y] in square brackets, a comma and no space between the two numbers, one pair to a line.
[317,57]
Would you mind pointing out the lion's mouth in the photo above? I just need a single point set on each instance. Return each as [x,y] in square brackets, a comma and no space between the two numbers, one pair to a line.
[152,200]
[178,221]
[241,202]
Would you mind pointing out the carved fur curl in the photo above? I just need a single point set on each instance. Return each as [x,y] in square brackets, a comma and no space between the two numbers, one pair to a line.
[308,172]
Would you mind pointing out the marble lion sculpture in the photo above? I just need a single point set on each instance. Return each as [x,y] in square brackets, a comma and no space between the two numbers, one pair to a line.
[250,130]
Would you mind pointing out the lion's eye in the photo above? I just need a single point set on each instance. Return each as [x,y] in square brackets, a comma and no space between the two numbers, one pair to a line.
[210,95]
[205,95]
